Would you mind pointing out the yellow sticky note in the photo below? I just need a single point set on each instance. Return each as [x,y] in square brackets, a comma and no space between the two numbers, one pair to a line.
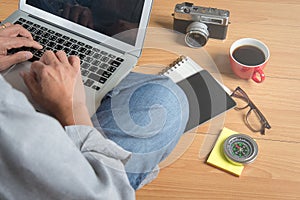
[217,157]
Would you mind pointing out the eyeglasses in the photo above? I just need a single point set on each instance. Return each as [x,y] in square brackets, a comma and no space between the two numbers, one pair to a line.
[254,119]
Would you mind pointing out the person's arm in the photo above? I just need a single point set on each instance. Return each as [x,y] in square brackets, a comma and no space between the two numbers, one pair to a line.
[40,161]
[42,158]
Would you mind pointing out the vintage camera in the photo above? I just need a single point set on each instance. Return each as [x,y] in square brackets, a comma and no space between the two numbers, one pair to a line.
[200,23]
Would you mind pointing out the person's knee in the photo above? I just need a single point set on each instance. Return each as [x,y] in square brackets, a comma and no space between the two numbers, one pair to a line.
[146,108]
[151,114]
[162,97]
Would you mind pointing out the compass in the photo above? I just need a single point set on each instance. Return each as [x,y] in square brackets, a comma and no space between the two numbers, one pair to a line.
[240,149]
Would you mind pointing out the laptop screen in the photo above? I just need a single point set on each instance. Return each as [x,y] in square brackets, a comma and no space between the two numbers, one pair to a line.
[115,18]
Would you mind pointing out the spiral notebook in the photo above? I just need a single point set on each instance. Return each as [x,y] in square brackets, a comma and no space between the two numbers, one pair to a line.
[207,97]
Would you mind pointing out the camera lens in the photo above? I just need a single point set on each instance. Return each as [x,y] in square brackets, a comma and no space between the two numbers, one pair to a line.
[196,35]
[187,10]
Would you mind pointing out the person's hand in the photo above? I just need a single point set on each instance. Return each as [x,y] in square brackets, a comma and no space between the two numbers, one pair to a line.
[55,84]
[79,14]
[15,36]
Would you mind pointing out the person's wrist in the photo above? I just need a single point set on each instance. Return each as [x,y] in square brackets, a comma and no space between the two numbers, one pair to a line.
[65,115]
[81,115]
[76,115]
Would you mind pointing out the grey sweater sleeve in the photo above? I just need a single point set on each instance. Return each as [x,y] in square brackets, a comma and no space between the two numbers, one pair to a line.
[42,160]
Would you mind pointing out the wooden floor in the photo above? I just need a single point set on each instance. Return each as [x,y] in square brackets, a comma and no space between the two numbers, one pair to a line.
[276,172]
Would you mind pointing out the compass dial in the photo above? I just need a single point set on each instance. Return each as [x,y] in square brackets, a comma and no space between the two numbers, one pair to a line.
[240,149]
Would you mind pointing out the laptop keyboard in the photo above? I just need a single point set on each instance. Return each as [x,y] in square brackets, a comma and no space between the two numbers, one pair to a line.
[97,65]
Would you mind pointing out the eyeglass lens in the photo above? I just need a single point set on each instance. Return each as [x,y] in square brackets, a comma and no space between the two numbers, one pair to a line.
[254,119]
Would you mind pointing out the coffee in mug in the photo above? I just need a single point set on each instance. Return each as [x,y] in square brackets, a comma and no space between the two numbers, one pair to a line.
[248,57]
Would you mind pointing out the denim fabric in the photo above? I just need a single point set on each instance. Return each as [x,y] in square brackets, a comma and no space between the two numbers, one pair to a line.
[146,115]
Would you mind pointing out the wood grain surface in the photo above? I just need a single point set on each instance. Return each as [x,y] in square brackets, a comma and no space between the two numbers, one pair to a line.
[276,172]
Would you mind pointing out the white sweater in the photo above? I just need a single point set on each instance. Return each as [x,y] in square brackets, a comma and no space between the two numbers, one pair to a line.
[40,159]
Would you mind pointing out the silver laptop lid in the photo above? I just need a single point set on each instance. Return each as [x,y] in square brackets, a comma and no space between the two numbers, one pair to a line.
[120,24]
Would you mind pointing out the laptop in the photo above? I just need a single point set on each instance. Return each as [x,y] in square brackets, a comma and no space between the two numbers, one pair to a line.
[107,35]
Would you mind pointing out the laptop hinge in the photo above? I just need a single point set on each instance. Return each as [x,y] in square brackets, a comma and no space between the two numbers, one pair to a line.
[83,36]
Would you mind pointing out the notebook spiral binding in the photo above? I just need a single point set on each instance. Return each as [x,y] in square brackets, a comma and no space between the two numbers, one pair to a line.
[180,60]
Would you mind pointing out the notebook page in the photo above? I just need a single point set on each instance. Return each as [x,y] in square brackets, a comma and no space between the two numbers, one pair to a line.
[182,68]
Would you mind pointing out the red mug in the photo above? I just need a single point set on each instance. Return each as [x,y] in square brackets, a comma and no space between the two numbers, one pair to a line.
[248,58]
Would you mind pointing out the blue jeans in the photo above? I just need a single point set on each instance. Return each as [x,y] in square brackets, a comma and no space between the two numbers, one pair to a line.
[146,115]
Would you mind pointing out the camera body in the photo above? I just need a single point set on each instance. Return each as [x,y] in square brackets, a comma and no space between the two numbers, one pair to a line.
[216,20]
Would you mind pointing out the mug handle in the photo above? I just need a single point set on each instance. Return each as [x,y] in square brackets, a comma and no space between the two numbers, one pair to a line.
[258,75]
